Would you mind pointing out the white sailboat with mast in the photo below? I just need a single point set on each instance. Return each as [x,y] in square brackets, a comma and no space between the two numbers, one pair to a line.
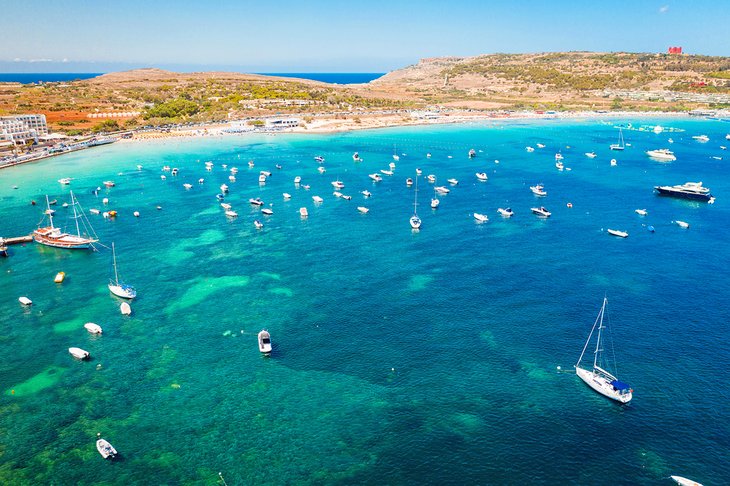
[598,378]
[620,145]
[53,236]
[115,286]
[415,220]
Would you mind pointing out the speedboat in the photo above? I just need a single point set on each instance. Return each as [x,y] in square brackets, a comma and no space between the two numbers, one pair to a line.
[174,171]
[267,211]
[201,180]
[366,193]
[93,328]
[558,156]
[319,159]
[375,177]
[163,177]
[338,184]
[321,169]
[701,138]
[317,199]
[362,209]
[409,182]
[250,163]
[620,234]
[392,164]
[346,197]
[166,168]
[231,213]
[682,224]
[472,153]
[591,155]
[452,181]
[540,145]
[684,481]
[258,224]
[226,206]
[613,162]
[265,173]
[303,212]
[256,201]
[297,179]
[262,178]
[481,218]
[435,203]
[538,190]
[234,170]
[65,180]
[25,301]
[541,211]
[232,178]
[506,213]
[125,309]
[482,176]
[356,157]
[109,183]
[265,341]
[286,195]
[78,353]
[187,186]
[218,196]
[224,188]
[386,172]
[661,154]
[688,190]
[106,450]
[441,189]
[431,178]
[641,212]
[559,165]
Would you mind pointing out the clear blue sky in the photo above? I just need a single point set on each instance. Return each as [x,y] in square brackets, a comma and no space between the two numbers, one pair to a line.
[337,36]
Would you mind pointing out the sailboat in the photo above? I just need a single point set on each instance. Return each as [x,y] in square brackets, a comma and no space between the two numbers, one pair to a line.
[52,236]
[620,145]
[598,378]
[396,157]
[415,220]
[117,288]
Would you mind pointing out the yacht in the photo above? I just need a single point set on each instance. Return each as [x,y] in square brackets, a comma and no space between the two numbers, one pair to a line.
[482,176]
[541,211]
[661,154]
[641,212]
[452,181]
[78,353]
[591,155]
[265,341]
[117,287]
[620,234]
[688,190]
[506,212]
[538,190]
[53,236]
[338,184]
[481,218]
[442,190]
[701,138]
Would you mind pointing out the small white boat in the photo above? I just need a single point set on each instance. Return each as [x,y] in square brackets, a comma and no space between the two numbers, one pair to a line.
[303,212]
[506,212]
[297,179]
[356,157]
[435,203]
[187,186]
[317,199]
[163,177]
[386,172]
[226,206]
[591,155]
[613,163]
[682,224]
[346,197]
[641,212]
[65,180]
[267,211]
[166,168]
[409,182]
[234,170]
[620,234]
[559,165]
[442,189]
[363,209]
[529,149]
[481,218]
[250,163]
[366,193]
[231,213]
[482,176]
[25,301]
[337,184]
[559,156]
[452,181]
[109,183]
[701,138]
[258,224]
[125,309]
[256,201]
[106,450]
[201,180]
[419,171]
[684,481]
[375,177]
[392,164]
[319,159]
[305,187]
[265,173]
[225,166]
[540,145]
[538,190]
[139,167]
[431,178]
[78,353]
[174,171]
[286,195]
[541,211]
[661,154]
[262,178]
[321,169]
[265,341]
[94,211]
[232,178]
[224,188]
[93,328]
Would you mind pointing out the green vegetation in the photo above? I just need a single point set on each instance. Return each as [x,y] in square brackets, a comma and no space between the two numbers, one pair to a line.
[173,109]
[106,126]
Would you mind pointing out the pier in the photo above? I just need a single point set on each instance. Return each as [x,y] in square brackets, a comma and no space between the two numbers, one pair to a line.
[16,241]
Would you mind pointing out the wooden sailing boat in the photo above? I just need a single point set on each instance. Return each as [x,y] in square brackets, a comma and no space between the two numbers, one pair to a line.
[115,286]
[53,236]
[415,220]
[597,377]
[620,145]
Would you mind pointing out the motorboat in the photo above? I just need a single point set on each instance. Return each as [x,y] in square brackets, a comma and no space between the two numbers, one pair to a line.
[481,218]
[472,153]
[94,211]
[106,450]
[256,201]
[701,138]
[540,145]
[264,341]
[220,196]
[682,224]
[559,165]
[224,188]
[201,180]
[226,206]
[175,170]
[337,184]
[267,212]
[25,301]
[435,203]
[356,157]
[188,186]
[321,169]
[684,481]
[452,181]
[265,173]
[506,212]
[597,377]
[163,177]
[375,177]
[559,156]
[231,213]
[258,224]
[431,178]
[52,236]
[409,182]
[234,170]
[661,154]
[250,163]
[613,163]
[386,172]
[125,309]
[319,159]
[441,189]
[317,199]
[363,209]
[620,234]
[482,176]
[419,171]
[139,167]
[232,178]
[59,278]
[641,212]
[303,212]
[392,164]
[65,180]
[538,190]
[166,168]
[93,328]
[109,183]
[541,211]
[297,179]
[590,155]
[78,353]
[262,178]
[286,195]
[530,149]
[346,197]
[688,190]
[366,193]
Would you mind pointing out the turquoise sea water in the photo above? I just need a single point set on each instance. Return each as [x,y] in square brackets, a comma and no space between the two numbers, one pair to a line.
[399,357]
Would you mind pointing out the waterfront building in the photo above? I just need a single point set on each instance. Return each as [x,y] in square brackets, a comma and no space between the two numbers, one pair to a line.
[18,129]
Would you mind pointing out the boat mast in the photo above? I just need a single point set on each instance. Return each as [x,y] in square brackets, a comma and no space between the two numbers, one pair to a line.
[76,216]
[598,341]
[415,198]
[50,214]
[114,260]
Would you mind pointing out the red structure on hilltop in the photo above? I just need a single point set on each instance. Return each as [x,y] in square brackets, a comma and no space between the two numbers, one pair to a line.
[675,50]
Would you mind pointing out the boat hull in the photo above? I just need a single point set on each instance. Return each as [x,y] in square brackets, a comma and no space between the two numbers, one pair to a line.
[63,240]
[602,386]
[668,191]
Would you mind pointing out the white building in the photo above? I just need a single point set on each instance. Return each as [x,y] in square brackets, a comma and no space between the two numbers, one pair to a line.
[21,128]
[281,123]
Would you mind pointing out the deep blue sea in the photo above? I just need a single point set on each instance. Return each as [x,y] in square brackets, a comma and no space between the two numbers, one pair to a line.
[399,357]
[339,78]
